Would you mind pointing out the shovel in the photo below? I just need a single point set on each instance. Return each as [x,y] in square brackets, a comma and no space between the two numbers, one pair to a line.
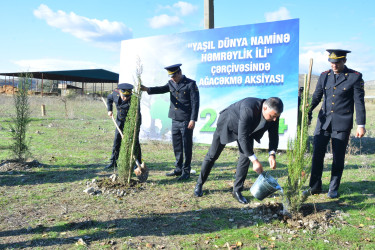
[141,171]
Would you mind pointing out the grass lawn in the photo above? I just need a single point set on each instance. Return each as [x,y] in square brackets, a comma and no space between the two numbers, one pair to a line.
[45,207]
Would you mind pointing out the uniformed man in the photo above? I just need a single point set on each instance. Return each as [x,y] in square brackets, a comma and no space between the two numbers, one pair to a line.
[121,96]
[342,88]
[244,121]
[183,110]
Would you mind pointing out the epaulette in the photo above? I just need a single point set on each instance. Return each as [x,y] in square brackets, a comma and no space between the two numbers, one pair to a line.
[117,90]
[325,72]
[353,71]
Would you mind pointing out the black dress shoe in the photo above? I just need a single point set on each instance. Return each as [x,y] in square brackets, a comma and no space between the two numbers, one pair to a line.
[333,194]
[110,166]
[238,196]
[310,191]
[184,177]
[173,173]
[198,192]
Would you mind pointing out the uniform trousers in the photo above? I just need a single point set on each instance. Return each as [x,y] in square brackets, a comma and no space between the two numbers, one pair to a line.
[213,154]
[339,144]
[117,143]
[182,140]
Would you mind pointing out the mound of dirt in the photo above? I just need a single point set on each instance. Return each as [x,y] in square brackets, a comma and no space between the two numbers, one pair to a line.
[14,165]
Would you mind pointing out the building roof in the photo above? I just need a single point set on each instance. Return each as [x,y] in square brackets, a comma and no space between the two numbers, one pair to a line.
[84,75]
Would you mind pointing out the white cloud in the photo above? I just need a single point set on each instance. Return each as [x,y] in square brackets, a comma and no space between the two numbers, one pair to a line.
[185,8]
[91,30]
[164,21]
[179,8]
[57,64]
[280,14]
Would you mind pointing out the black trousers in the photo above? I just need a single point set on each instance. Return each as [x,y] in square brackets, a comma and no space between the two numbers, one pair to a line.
[182,140]
[117,144]
[213,154]
[339,144]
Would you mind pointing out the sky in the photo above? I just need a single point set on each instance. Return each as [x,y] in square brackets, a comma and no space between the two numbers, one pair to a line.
[86,34]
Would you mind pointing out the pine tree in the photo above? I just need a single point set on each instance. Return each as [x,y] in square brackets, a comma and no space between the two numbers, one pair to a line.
[18,128]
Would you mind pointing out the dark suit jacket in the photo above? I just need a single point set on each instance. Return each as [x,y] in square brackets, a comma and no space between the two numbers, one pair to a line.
[240,122]
[184,97]
[339,99]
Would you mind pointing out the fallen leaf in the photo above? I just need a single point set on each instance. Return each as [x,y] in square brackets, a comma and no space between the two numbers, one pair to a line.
[361,225]
[226,245]
[368,239]
[81,242]
[149,245]
[239,244]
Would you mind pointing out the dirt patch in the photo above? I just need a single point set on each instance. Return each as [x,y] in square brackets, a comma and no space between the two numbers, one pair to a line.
[112,185]
[310,217]
[14,165]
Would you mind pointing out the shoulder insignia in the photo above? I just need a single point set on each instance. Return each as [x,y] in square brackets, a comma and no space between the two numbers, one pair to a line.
[325,72]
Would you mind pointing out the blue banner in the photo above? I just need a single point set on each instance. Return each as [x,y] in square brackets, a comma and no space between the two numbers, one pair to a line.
[228,64]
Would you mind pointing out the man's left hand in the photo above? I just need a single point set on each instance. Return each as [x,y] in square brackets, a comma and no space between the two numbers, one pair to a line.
[272,161]
[361,131]
[191,124]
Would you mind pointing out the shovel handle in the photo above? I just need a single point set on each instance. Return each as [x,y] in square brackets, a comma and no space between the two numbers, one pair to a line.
[113,119]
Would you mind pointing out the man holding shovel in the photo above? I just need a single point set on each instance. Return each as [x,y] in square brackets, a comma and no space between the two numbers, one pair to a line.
[244,121]
[121,97]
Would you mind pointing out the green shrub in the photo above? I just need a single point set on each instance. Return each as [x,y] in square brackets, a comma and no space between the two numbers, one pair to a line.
[19,145]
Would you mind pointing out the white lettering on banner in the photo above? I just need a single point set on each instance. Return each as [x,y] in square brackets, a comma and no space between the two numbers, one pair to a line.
[270,39]
[255,80]
[227,56]
[231,43]
[202,46]
[265,79]
[240,68]
[220,81]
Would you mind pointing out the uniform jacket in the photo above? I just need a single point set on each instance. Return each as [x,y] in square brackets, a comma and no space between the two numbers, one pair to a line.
[121,106]
[340,97]
[240,122]
[184,99]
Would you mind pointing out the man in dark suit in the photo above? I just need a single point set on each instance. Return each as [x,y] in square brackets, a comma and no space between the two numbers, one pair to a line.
[121,96]
[183,110]
[244,121]
[342,88]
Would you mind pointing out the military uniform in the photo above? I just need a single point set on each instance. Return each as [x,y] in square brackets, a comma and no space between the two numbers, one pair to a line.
[122,112]
[184,107]
[341,93]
